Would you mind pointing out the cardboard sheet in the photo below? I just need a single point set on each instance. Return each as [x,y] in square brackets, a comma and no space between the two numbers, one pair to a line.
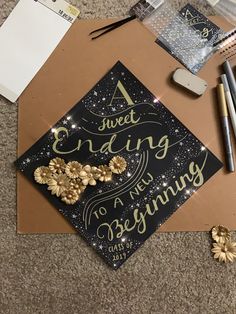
[73,69]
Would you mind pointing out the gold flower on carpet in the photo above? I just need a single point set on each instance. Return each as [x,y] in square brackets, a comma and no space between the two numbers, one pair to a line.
[42,175]
[117,164]
[73,169]
[220,234]
[224,252]
[58,184]
[57,165]
[105,173]
[88,175]
[70,197]
[77,185]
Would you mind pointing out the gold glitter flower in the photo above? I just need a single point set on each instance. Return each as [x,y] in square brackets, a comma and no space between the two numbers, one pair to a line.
[106,174]
[69,181]
[88,175]
[58,184]
[73,169]
[77,185]
[220,234]
[96,172]
[42,175]
[118,164]
[57,165]
[224,252]
[70,197]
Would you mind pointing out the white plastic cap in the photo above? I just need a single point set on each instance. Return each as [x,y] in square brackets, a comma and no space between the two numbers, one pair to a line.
[213,2]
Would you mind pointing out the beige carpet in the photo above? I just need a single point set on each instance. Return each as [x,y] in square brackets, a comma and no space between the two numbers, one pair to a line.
[171,273]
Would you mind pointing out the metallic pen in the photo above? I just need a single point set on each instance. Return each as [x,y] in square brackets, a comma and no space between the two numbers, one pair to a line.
[225,127]
[229,101]
[231,80]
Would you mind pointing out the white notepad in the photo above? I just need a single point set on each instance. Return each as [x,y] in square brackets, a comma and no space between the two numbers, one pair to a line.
[27,38]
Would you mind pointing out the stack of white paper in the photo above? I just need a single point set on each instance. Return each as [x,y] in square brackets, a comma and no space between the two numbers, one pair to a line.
[27,38]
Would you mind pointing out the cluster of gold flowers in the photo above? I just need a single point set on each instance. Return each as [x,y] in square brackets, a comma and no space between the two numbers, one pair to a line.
[223,248]
[68,181]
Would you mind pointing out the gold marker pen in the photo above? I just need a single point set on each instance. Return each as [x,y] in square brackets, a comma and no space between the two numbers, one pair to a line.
[225,127]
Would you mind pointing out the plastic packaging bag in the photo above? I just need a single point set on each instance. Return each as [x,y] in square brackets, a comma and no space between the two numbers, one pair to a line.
[175,33]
